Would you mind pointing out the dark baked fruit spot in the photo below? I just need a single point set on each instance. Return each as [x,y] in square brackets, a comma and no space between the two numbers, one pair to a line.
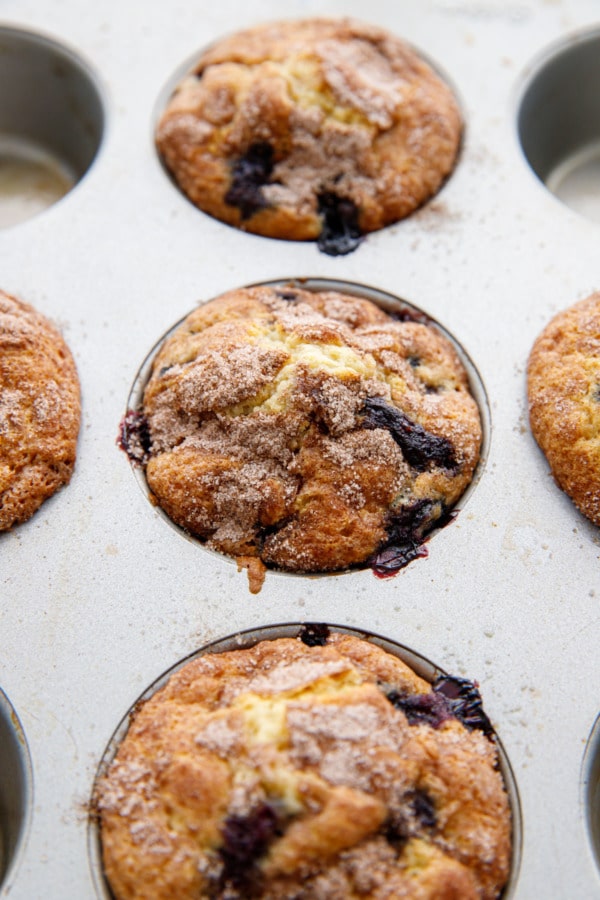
[314,634]
[465,702]
[419,447]
[134,437]
[406,530]
[340,232]
[450,697]
[250,173]
[416,815]
[245,840]
[596,393]
[404,314]
[414,362]
[423,808]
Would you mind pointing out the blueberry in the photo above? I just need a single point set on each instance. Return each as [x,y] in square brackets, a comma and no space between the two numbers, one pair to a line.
[465,702]
[340,232]
[134,436]
[250,173]
[314,634]
[419,447]
[245,840]
[421,709]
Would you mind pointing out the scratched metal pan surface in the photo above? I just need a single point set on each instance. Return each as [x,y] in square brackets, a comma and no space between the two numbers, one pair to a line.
[99,595]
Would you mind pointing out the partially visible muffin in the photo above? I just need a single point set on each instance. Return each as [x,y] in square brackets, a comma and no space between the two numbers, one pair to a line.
[319,129]
[308,430]
[39,411]
[564,401]
[306,771]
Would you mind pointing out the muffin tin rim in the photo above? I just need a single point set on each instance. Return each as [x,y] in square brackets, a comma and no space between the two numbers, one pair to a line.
[8,875]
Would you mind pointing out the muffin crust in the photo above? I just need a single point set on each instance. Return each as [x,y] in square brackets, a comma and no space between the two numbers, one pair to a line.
[292,772]
[314,129]
[564,401]
[39,411]
[307,429]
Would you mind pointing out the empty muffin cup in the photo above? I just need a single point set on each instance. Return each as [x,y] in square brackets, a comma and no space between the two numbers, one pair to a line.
[591,789]
[51,123]
[559,122]
[15,788]
[300,723]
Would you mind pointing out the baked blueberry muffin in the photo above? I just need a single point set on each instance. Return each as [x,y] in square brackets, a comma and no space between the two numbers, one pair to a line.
[564,401]
[306,431]
[319,129]
[306,771]
[39,411]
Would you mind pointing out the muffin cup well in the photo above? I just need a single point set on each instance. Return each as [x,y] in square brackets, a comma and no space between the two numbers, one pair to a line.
[15,789]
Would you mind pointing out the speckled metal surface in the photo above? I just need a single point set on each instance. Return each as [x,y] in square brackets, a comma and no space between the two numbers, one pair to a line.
[99,595]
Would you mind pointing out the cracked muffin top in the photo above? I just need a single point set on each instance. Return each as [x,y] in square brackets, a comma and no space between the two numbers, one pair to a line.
[306,771]
[39,411]
[310,130]
[306,431]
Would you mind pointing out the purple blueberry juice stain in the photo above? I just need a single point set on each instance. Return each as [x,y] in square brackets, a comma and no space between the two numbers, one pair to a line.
[340,232]
[450,697]
[250,174]
[134,437]
[407,528]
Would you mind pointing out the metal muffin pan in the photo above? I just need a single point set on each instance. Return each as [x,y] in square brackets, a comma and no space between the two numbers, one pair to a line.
[99,595]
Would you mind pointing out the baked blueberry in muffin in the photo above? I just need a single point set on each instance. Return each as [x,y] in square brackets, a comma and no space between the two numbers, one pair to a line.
[294,771]
[308,431]
[319,129]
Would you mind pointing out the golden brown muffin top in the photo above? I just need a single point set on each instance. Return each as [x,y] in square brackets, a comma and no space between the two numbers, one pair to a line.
[39,411]
[293,772]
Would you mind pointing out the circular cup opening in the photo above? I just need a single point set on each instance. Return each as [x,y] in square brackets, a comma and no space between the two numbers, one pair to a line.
[389,303]
[591,789]
[51,123]
[15,788]
[559,122]
[241,640]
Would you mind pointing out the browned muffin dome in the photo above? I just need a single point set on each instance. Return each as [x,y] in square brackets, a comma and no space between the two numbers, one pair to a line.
[316,129]
[564,401]
[294,772]
[309,430]
[39,411]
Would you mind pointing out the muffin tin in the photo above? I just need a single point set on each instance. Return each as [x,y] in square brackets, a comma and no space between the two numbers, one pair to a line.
[100,595]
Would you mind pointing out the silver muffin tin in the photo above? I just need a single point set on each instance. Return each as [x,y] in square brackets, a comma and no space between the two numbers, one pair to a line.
[99,595]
